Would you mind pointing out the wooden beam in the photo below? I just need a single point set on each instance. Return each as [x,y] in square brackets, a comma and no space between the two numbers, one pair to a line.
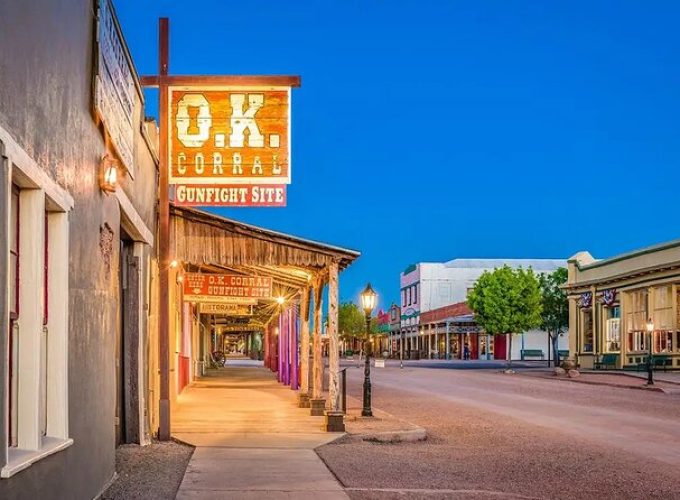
[164,239]
[222,80]
[317,361]
[333,341]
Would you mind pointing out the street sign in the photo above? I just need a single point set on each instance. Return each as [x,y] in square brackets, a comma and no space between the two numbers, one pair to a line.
[226,288]
[229,135]
[226,309]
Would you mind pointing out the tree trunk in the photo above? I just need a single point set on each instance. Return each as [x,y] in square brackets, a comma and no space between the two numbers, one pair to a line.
[556,352]
[510,351]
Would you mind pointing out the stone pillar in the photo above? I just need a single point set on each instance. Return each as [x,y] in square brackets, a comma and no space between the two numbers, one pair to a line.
[334,415]
[303,395]
[317,402]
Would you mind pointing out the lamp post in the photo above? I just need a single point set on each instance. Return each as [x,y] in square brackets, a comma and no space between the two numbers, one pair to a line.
[368,299]
[650,364]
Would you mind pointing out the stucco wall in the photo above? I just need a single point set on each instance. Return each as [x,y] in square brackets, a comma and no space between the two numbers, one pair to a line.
[46,76]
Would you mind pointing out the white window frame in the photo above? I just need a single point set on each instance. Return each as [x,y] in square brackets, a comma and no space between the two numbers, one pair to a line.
[39,194]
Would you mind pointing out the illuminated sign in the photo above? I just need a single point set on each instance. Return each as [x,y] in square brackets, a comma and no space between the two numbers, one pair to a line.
[226,309]
[229,135]
[234,195]
[226,288]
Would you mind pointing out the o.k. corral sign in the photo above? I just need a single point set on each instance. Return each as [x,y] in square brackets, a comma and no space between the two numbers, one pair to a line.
[229,146]
[226,288]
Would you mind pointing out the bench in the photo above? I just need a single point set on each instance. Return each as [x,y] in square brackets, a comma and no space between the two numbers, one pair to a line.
[531,353]
[658,361]
[606,361]
[563,354]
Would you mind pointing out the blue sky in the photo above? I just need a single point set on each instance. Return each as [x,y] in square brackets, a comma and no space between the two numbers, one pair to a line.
[426,131]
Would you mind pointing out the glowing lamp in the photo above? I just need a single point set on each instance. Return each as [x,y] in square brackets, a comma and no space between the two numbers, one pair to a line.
[368,299]
[108,179]
[650,325]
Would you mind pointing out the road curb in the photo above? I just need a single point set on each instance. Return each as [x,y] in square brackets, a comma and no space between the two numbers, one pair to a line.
[390,437]
[609,384]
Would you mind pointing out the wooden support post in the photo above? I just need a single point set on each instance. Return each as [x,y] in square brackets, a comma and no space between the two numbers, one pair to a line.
[164,236]
[317,401]
[334,414]
[303,395]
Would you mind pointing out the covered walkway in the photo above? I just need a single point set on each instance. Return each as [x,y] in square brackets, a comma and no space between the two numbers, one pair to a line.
[251,438]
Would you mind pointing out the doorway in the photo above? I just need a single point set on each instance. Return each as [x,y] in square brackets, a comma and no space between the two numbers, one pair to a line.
[127,429]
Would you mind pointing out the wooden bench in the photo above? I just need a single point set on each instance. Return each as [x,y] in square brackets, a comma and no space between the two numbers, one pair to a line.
[606,361]
[531,353]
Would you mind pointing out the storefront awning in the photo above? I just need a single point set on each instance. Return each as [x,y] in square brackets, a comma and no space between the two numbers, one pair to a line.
[205,242]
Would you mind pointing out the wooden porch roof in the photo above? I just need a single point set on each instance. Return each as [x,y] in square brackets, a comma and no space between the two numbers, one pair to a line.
[206,242]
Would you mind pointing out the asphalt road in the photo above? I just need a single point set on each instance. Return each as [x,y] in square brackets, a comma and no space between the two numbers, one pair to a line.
[495,435]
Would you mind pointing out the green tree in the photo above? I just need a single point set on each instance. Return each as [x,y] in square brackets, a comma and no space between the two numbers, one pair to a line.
[351,322]
[555,315]
[506,301]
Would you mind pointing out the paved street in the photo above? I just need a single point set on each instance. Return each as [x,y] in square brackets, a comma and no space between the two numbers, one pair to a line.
[515,436]
[251,439]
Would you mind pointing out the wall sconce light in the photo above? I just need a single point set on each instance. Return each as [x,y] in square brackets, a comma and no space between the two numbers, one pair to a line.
[180,277]
[173,264]
[108,176]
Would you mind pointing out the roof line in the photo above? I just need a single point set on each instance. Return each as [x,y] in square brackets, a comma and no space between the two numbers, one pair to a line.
[267,232]
[634,253]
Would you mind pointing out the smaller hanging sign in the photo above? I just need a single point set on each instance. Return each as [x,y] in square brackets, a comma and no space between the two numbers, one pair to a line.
[226,309]
[226,288]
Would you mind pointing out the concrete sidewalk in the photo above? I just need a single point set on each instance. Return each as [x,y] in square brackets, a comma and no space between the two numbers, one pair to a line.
[252,441]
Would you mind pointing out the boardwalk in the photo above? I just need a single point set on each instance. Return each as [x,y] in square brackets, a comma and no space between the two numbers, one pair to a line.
[251,439]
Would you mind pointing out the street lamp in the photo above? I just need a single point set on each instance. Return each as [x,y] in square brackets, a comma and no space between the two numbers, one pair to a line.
[650,365]
[368,299]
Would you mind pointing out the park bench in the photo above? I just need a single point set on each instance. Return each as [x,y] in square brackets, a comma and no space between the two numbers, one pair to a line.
[658,361]
[531,353]
[564,354]
[606,361]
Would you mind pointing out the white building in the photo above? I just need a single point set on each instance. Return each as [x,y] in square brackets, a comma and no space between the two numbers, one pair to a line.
[429,286]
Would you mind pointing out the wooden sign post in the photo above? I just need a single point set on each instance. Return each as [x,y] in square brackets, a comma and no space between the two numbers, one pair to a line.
[260,185]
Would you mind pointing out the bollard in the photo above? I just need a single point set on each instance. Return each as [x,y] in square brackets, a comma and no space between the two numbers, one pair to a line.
[344,390]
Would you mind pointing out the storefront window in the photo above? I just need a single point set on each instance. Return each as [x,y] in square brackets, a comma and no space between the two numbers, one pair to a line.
[587,323]
[636,319]
[663,341]
[662,312]
[612,341]
[637,341]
